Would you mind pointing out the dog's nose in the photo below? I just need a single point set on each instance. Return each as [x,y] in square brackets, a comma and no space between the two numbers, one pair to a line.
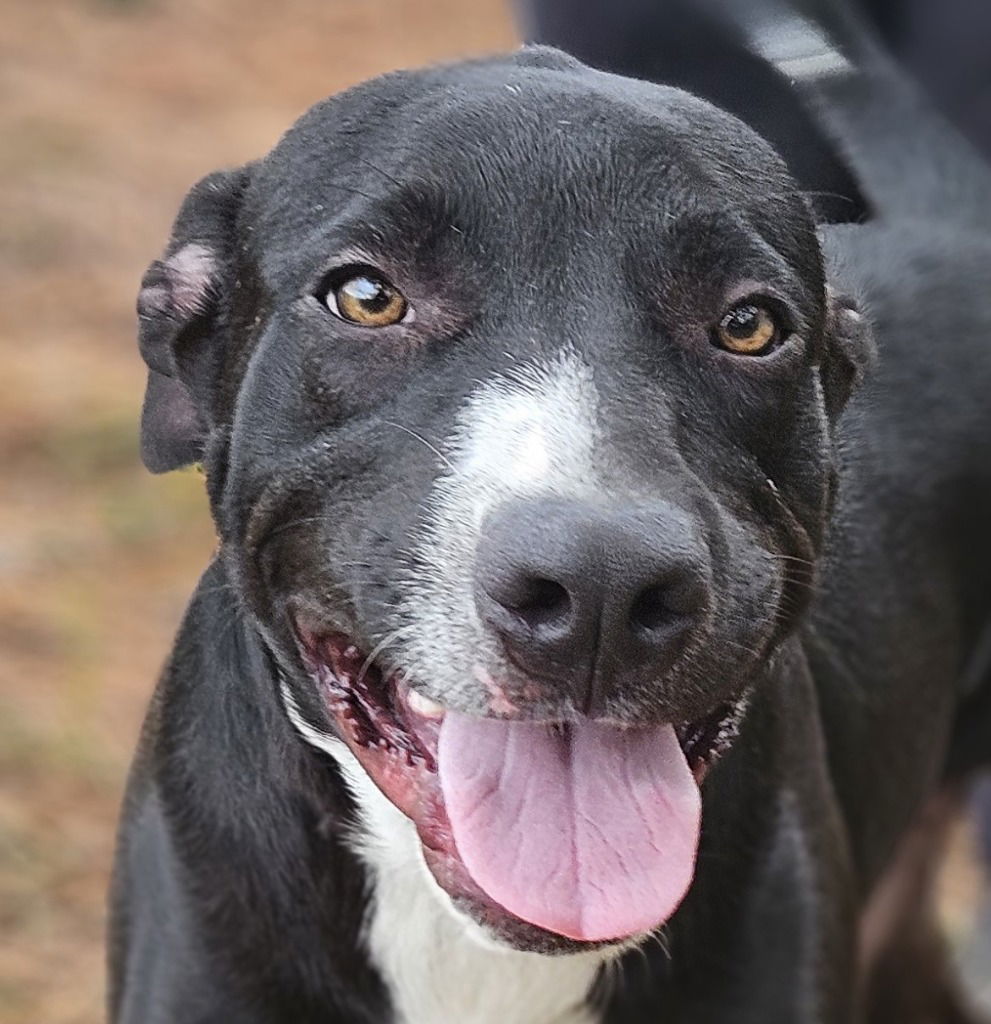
[588,596]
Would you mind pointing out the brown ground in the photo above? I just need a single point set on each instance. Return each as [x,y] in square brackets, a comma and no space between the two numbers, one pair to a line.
[108,112]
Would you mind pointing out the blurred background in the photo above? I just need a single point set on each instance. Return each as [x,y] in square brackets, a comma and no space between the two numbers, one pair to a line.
[109,110]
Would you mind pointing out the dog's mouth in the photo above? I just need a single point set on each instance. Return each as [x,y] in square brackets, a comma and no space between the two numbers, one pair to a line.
[582,829]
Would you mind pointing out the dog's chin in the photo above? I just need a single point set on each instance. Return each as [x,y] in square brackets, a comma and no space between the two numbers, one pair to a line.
[394,733]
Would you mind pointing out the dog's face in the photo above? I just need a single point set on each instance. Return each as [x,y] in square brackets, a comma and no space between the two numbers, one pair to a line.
[514,382]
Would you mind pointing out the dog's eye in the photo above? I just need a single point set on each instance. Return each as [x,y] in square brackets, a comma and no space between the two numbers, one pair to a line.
[362,296]
[749,330]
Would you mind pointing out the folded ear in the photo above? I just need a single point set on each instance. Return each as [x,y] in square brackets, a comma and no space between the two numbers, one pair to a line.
[181,309]
[850,351]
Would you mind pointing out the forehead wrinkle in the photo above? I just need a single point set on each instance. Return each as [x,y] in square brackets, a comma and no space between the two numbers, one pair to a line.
[734,246]
[513,154]
[418,205]
[383,230]
[418,226]
[609,172]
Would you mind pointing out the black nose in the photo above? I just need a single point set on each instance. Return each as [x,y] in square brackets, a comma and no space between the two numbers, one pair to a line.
[590,597]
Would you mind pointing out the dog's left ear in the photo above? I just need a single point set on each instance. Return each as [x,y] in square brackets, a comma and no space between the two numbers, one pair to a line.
[181,313]
[849,352]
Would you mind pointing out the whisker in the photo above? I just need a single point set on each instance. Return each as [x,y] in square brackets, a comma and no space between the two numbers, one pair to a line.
[791,558]
[828,195]
[395,635]
[440,455]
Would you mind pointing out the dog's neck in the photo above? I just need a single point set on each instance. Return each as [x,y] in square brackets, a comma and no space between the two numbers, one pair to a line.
[437,964]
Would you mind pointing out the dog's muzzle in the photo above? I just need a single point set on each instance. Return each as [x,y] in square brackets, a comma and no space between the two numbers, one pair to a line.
[585,828]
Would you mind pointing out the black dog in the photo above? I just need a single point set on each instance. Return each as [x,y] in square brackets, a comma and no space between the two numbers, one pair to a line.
[561,592]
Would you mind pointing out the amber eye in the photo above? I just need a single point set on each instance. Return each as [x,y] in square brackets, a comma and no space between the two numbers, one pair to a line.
[366,298]
[748,330]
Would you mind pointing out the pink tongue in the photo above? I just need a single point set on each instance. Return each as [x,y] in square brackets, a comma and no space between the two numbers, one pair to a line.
[591,834]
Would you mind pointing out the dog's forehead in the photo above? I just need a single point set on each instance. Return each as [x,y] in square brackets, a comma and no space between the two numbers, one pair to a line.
[505,131]
[417,112]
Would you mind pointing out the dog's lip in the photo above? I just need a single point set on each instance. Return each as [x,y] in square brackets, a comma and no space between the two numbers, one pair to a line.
[326,647]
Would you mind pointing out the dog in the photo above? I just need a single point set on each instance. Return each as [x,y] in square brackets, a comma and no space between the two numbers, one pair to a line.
[600,629]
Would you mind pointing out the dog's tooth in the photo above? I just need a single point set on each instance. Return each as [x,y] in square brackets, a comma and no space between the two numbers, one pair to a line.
[424,706]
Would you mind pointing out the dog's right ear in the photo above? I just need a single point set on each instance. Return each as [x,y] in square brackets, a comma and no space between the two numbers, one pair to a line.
[182,307]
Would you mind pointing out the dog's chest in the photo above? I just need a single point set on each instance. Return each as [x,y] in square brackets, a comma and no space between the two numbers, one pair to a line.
[435,971]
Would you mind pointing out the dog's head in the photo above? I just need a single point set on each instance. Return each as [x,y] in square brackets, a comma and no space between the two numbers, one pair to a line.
[515,384]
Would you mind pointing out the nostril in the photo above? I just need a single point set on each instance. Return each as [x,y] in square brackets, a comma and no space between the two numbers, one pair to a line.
[660,606]
[651,610]
[539,601]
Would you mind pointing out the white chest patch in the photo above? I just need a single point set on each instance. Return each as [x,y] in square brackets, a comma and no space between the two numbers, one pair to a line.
[439,967]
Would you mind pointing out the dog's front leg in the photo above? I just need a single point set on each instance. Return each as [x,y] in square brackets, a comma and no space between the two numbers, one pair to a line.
[767,934]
